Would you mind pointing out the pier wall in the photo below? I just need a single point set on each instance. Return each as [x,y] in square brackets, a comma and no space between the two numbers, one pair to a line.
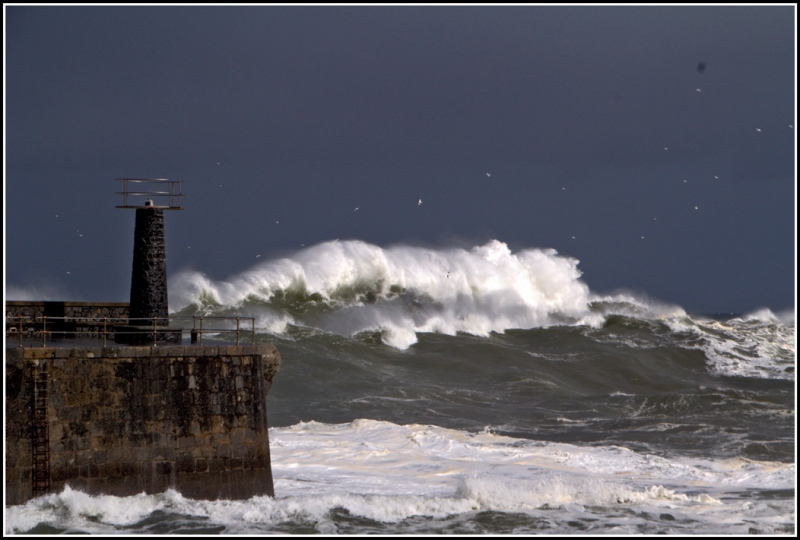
[88,310]
[85,318]
[123,420]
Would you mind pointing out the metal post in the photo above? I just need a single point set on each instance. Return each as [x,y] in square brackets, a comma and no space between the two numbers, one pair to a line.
[44,330]
[20,332]
[237,330]
[105,331]
[253,333]
[154,330]
[193,333]
[201,330]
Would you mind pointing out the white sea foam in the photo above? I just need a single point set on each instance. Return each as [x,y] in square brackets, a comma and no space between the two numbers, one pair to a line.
[759,344]
[389,473]
[403,290]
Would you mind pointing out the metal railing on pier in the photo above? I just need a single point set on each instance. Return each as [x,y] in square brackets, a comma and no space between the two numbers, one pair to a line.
[38,331]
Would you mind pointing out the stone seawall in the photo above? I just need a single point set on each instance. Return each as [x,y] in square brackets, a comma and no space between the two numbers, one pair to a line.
[86,310]
[85,319]
[123,420]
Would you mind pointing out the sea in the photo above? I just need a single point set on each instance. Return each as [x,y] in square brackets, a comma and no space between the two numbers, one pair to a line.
[485,391]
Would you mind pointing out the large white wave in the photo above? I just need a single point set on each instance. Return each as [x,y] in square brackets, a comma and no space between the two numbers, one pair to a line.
[401,290]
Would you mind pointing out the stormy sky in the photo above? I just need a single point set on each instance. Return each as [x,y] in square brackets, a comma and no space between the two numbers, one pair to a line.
[653,144]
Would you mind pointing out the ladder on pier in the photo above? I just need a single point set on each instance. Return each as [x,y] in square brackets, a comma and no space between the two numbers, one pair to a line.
[40,475]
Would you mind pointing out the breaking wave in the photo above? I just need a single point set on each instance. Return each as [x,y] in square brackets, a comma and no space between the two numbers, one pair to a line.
[351,288]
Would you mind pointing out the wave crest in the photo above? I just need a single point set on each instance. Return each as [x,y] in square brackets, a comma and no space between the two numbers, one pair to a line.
[350,287]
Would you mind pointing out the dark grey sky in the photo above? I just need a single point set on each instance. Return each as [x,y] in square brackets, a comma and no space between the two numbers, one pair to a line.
[594,123]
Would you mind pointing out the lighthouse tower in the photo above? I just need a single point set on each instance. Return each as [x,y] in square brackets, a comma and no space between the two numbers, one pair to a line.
[149,305]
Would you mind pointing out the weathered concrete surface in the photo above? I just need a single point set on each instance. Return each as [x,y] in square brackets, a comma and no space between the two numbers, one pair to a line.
[123,420]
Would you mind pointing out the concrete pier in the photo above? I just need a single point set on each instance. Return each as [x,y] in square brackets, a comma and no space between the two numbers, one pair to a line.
[123,420]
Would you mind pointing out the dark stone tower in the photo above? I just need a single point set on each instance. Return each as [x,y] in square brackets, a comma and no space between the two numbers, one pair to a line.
[149,307]
[149,277]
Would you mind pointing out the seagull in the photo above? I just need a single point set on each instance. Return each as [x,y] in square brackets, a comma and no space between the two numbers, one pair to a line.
[259,255]
[67,272]
[565,189]
[699,90]
[695,208]
[665,148]
[356,210]
[56,215]
[573,238]
[487,174]
[717,177]
[758,129]
[188,247]
[420,202]
[684,181]
[277,222]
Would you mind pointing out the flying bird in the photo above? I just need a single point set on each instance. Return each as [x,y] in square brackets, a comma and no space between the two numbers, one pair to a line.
[420,202]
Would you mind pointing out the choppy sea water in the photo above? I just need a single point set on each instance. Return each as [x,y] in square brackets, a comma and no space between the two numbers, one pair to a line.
[485,391]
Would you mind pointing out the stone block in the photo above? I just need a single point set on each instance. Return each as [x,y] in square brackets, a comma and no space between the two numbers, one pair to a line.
[90,470]
[163,468]
[185,463]
[218,464]
[38,353]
